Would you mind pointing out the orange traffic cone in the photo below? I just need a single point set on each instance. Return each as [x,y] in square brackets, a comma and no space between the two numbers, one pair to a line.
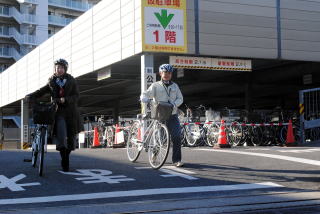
[290,141]
[222,140]
[96,142]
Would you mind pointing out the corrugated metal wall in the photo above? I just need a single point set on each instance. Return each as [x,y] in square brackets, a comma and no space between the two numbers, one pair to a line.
[250,28]
[108,33]
[300,29]
[238,28]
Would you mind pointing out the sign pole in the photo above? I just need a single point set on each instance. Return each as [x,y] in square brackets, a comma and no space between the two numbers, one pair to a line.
[147,78]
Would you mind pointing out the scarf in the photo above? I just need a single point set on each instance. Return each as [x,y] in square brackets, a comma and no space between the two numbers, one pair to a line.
[167,83]
[61,83]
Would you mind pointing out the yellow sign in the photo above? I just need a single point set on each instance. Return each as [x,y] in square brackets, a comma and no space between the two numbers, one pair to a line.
[210,63]
[164,26]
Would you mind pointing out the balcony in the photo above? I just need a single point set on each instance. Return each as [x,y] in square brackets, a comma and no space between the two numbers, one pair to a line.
[24,39]
[9,52]
[19,17]
[22,17]
[4,11]
[28,1]
[59,20]
[70,4]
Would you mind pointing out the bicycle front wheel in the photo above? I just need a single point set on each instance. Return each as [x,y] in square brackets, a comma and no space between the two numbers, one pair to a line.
[41,150]
[159,146]
[133,142]
[34,155]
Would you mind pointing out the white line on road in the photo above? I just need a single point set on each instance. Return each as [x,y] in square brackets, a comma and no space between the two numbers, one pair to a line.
[299,150]
[133,193]
[174,168]
[281,157]
[173,171]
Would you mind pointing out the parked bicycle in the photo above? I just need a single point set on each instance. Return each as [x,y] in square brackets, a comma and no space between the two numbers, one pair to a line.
[193,132]
[155,141]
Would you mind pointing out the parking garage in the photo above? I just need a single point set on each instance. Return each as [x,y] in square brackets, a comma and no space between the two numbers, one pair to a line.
[279,40]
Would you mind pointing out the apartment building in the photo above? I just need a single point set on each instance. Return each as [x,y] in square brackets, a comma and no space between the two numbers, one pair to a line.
[24,24]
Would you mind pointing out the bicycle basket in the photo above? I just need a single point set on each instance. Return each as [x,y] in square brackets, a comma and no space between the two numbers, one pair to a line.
[43,113]
[161,111]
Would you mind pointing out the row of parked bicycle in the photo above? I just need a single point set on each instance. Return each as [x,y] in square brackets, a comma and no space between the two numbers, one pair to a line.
[201,127]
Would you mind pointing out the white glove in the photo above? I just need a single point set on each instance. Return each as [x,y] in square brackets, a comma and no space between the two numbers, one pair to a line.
[145,100]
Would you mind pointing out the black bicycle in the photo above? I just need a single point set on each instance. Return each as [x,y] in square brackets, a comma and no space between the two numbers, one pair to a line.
[43,115]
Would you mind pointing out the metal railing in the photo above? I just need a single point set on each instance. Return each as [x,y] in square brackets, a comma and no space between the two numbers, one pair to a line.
[28,1]
[70,4]
[9,52]
[309,104]
[20,38]
[19,17]
[59,20]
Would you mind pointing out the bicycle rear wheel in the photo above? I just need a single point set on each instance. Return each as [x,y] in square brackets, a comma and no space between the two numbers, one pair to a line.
[235,135]
[133,143]
[159,146]
[193,134]
[109,136]
[212,134]
[41,149]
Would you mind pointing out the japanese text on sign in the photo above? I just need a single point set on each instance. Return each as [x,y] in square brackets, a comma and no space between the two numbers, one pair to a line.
[210,63]
[164,2]
[164,26]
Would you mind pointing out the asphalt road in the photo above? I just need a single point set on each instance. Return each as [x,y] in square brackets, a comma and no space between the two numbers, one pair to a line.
[236,180]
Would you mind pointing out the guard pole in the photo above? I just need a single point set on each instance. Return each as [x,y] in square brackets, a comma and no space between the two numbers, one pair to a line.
[24,134]
[301,113]
[1,130]
[148,77]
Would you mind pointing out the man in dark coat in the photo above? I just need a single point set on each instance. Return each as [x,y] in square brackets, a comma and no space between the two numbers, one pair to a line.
[64,91]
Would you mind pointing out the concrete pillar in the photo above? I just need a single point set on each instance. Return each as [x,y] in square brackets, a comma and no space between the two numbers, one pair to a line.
[248,93]
[115,112]
[24,139]
[148,76]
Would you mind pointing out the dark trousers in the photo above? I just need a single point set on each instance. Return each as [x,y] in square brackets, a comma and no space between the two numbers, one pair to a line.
[173,125]
[61,138]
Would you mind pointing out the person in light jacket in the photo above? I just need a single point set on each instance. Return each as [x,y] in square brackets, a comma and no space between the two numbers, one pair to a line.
[167,91]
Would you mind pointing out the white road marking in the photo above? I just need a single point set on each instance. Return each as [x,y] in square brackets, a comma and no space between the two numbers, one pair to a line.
[134,193]
[178,169]
[281,157]
[173,171]
[98,176]
[299,150]
[11,183]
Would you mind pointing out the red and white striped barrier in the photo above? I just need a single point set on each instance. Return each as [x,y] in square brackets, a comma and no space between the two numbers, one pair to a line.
[238,124]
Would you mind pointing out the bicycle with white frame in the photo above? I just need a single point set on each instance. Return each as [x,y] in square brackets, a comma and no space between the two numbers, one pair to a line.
[155,140]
